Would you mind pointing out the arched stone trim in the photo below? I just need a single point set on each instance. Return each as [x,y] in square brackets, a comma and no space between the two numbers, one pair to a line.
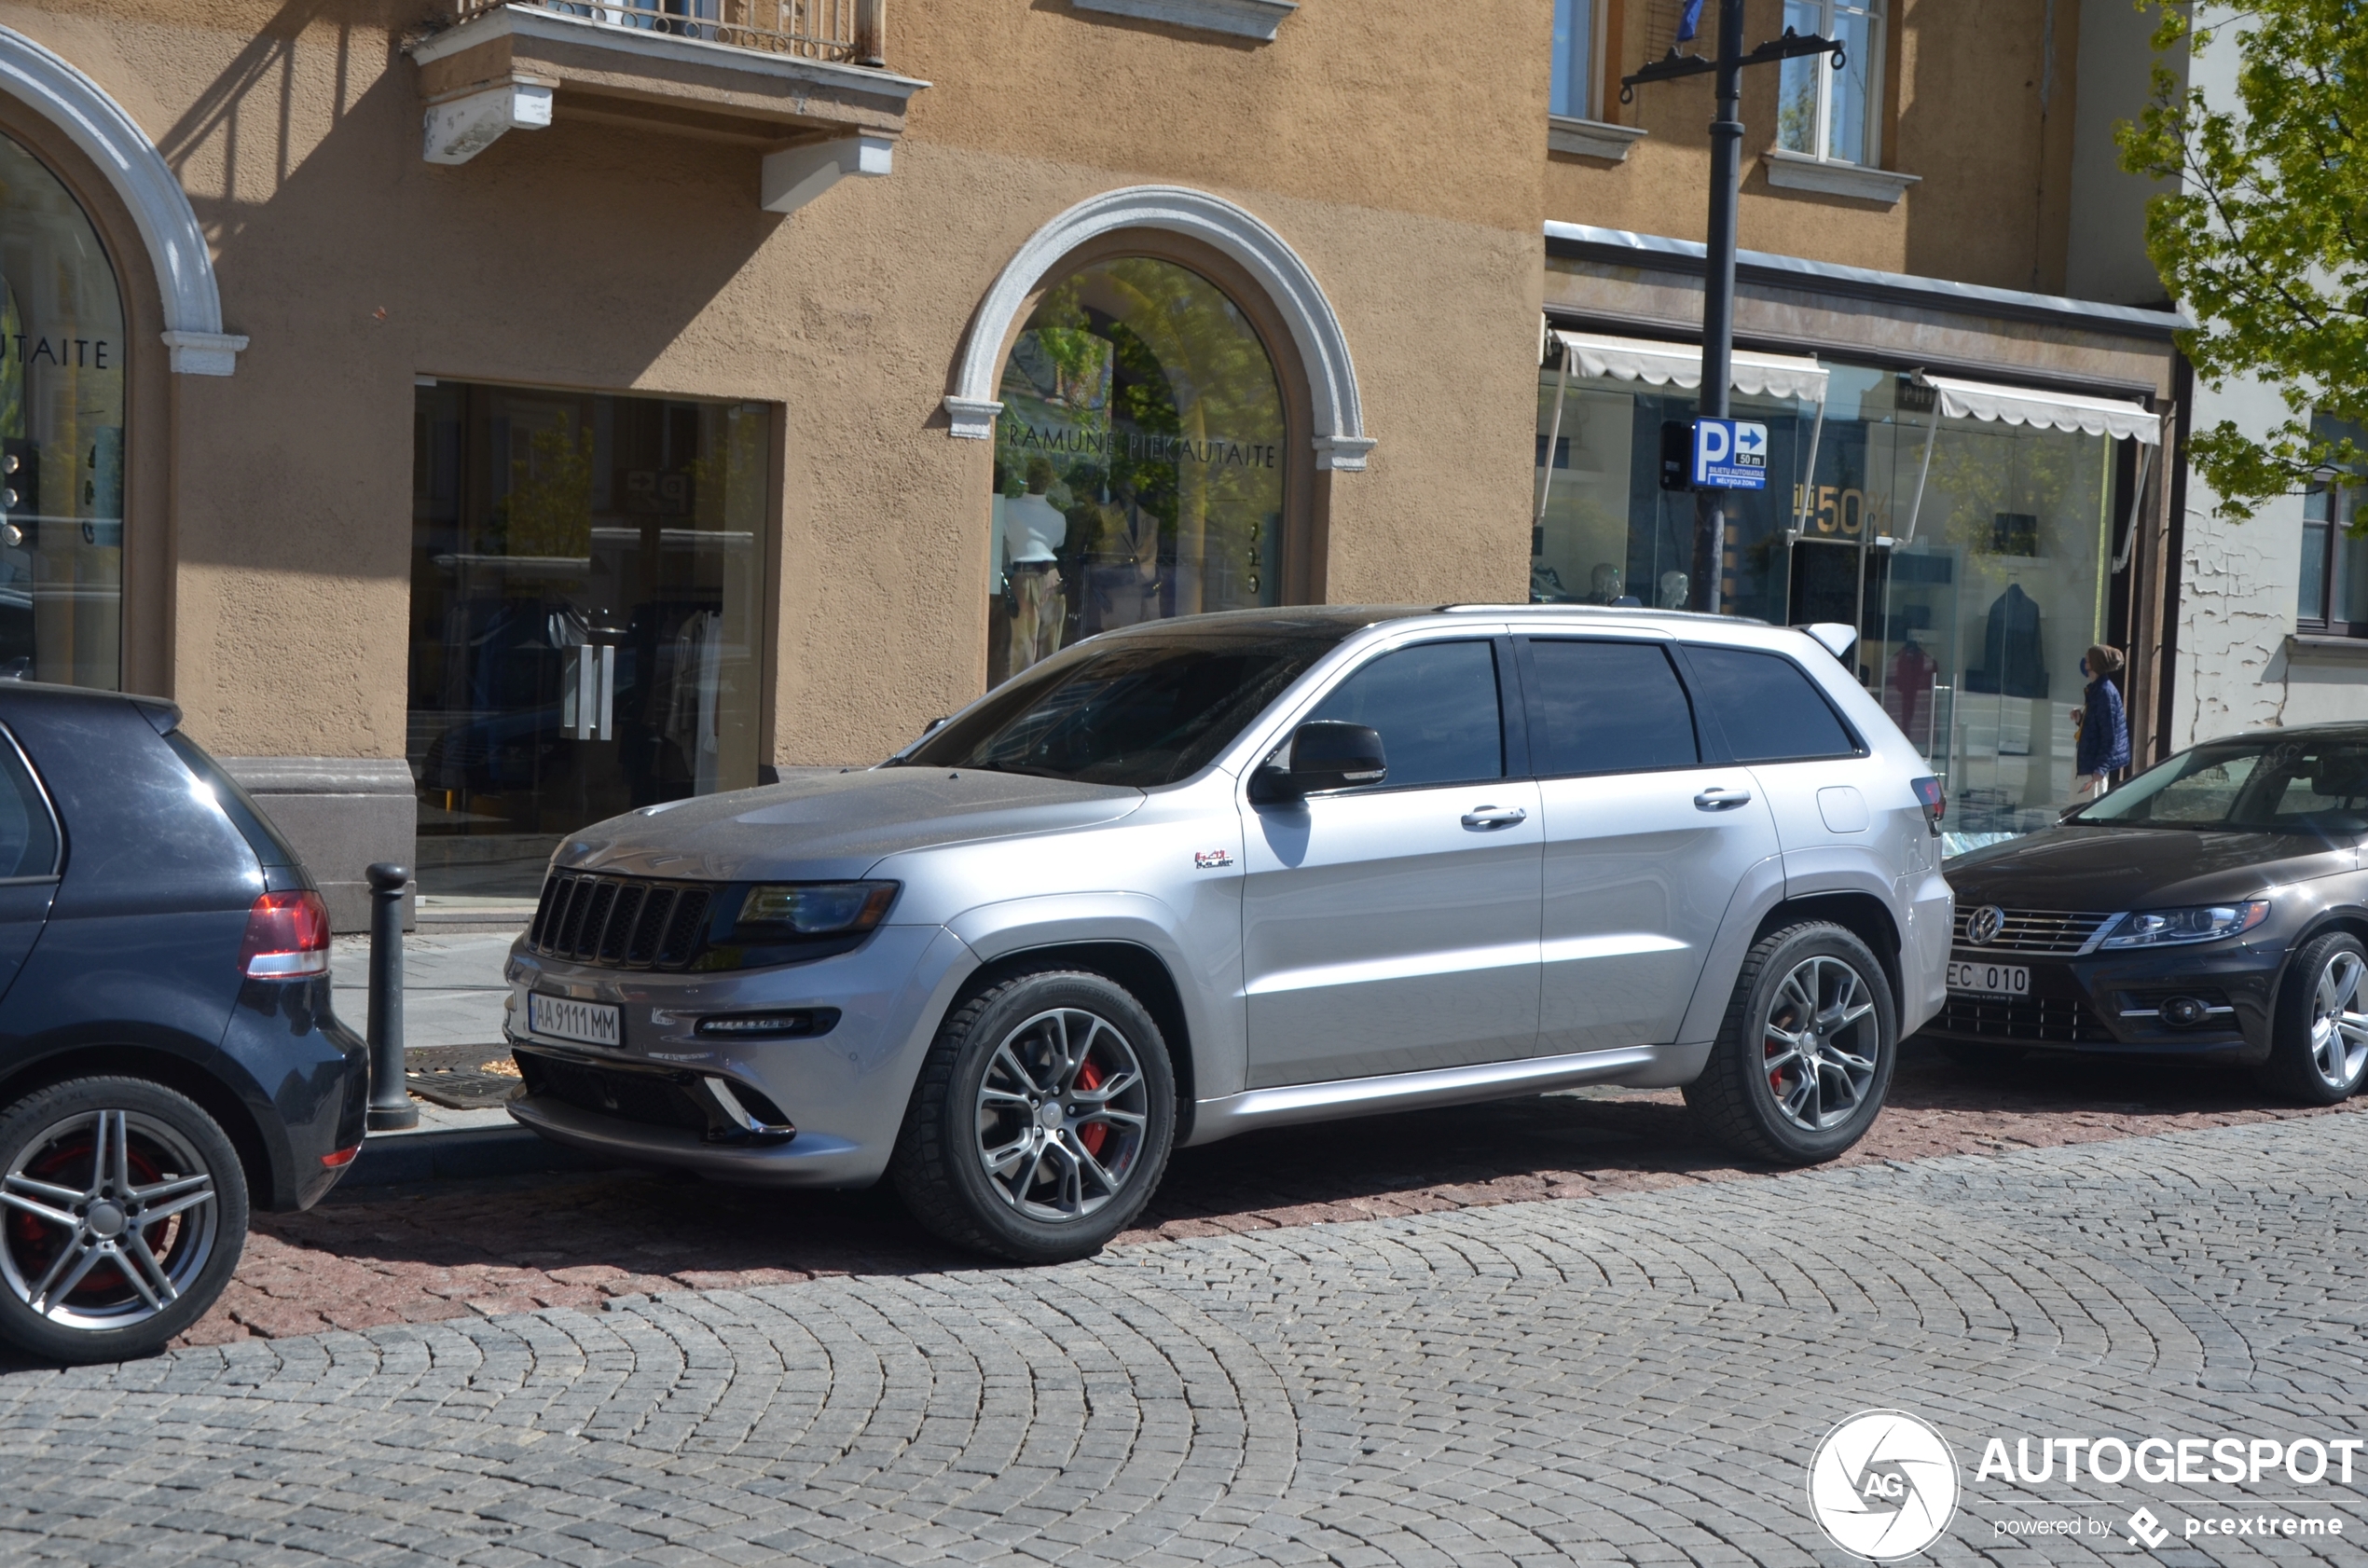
[1339,439]
[112,140]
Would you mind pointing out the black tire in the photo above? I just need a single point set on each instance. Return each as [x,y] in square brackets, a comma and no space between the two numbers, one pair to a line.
[968,1102]
[2316,1067]
[51,1165]
[1734,1099]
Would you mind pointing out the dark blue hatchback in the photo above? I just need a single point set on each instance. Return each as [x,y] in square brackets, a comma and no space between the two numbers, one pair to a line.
[167,1050]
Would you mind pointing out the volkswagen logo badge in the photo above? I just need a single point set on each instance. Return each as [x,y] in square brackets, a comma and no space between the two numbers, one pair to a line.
[1984,923]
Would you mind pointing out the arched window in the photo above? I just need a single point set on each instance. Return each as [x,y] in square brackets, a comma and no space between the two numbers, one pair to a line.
[61,356]
[1139,462]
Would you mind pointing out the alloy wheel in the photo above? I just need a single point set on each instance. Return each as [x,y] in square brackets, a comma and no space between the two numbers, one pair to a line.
[1819,1044]
[2339,1027]
[1062,1112]
[105,1220]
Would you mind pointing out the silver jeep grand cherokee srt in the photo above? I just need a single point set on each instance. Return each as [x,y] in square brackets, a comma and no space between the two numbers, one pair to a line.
[1200,876]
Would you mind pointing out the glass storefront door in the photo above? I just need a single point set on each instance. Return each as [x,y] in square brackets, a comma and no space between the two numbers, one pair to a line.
[585,607]
[62,357]
[1138,463]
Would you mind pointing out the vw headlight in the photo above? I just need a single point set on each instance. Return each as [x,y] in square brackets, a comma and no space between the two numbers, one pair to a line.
[813,909]
[2165,928]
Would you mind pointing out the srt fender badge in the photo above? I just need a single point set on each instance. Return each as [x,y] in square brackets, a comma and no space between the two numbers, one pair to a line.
[1211,860]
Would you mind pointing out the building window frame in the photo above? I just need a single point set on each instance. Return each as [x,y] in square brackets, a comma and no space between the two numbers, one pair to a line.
[2330,545]
[1824,17]
[1575,87]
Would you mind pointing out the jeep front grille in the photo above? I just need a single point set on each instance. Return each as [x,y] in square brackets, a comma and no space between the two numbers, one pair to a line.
[620,922]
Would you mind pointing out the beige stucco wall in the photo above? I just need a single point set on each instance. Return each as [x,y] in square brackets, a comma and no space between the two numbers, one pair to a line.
[597,256]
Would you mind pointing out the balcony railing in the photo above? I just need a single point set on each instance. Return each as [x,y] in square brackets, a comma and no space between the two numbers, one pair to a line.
[847,31]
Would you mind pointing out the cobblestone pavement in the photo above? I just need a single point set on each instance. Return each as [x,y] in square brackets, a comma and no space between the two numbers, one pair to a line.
[369,1258]
[1637,1378]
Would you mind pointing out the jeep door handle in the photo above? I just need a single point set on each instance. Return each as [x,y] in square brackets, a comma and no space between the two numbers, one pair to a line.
[1488,817]
[1719,798]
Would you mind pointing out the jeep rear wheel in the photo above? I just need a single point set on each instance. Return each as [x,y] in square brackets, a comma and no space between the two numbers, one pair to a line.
[1804,1056]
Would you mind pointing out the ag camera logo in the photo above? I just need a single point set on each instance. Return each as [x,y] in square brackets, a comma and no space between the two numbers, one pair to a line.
[1883,1485]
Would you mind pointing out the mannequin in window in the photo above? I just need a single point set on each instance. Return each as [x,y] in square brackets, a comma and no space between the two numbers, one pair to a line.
[2012,663]
[1123,562]
[1911,680]
[1033,529]
[1676,586]
[1609,589]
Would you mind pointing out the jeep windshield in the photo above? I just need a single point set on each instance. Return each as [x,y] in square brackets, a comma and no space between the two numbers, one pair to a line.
[1136,710]
[2262,784]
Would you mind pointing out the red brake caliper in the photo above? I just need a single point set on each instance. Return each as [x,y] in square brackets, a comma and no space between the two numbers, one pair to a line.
[1094,1137]
[37,1243]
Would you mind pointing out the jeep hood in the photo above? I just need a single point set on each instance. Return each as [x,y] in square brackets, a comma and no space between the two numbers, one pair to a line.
[830,826]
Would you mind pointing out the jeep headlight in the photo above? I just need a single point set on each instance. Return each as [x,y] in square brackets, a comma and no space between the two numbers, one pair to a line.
[810,909]
[2165,928]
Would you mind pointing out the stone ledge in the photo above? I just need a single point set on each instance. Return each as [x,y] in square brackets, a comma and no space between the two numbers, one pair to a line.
[1243,19]
[2323,647]
[1589,138]
[1792,171]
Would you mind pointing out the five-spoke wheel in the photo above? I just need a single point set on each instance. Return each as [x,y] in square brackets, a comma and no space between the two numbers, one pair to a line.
[1041,1120]
[122,1212]
[2319,1048]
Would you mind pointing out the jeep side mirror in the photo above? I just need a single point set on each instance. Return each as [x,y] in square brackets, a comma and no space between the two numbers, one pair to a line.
[1323,754]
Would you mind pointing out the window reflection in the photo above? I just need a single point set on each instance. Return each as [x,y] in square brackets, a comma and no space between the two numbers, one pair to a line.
[1138,470]
[61,356]
[1975,605]
[584,612]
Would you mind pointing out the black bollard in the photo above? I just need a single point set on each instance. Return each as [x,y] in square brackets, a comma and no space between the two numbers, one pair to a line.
[391,1106]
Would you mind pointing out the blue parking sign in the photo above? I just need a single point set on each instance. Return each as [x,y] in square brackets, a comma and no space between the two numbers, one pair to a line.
[1729,455]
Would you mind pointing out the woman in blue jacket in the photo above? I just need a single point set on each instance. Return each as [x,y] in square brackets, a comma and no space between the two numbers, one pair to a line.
[2104,728]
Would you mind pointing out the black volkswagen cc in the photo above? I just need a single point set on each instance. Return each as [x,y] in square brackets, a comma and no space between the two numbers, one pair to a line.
[2215,906]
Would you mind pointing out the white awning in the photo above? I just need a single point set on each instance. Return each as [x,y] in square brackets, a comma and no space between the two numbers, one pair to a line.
[1662,364]
[2022,405]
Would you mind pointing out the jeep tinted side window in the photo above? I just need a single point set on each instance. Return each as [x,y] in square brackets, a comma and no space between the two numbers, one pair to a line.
[28,837]
[1606,707]
[1435,706]
[1769,708]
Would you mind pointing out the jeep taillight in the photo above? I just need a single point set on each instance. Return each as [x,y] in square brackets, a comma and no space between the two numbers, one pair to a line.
[1935,799]
[287,937]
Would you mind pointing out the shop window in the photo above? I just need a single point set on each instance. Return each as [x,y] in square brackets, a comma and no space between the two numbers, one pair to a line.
[585,616]
[1827,114]
[1574,91]
[1138,463]
[61,358]
[1977,581]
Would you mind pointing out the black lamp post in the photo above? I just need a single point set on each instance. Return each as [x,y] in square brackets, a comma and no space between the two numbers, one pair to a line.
[1718,292]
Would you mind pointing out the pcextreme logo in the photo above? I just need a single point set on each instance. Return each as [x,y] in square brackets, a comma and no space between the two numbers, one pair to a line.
[1883,1485]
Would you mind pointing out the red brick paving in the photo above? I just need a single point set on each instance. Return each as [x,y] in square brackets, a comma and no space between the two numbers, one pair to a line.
[519,1243]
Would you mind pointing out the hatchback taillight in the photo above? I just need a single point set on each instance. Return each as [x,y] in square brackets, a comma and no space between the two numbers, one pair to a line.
[1935,801]
[287,937]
